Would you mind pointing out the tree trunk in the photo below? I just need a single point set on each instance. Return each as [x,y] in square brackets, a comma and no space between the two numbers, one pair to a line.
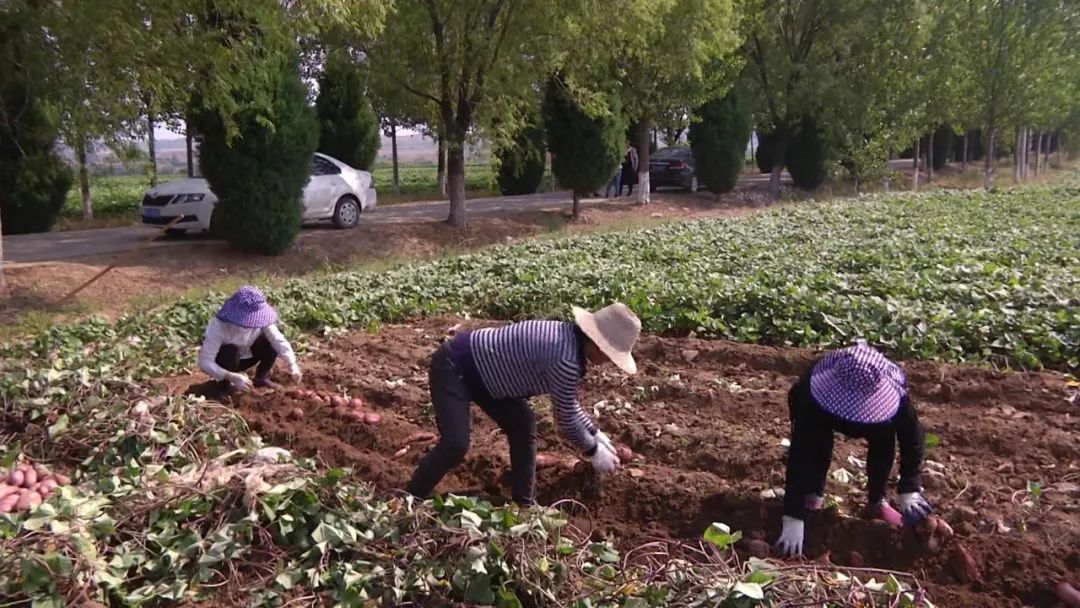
[915,165]
[1060,148]
[441,177]
[988,157]
[84,180]
[190,150]
[577,204]
[3,281]
[455,161]
[964,152]
[150,148]
[1038,152]
[1046,155]
[394,157]
[779,158]
[930,157]
[1018,156]
[643,162]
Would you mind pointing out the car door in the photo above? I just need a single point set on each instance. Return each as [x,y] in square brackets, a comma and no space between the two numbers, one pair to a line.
[319,196]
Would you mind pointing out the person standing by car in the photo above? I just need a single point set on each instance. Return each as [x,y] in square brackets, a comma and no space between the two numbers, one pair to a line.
[860,393]
[629,169]
[243,335]
[501,368]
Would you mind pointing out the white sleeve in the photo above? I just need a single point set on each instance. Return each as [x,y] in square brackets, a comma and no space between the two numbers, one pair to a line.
[282,347]
[209,351]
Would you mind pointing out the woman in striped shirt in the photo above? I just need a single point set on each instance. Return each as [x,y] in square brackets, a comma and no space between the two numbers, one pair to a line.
[501,368]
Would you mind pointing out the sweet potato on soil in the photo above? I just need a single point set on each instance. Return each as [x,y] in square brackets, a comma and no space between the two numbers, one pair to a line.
[372,418]
[546,461]
[963,566]
[1068,594]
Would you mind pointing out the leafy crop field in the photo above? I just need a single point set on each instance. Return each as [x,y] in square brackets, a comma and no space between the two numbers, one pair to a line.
[114,196]
[172,499]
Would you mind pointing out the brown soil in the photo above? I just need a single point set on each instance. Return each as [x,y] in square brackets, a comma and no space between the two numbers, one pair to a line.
[155,275]
[705,420]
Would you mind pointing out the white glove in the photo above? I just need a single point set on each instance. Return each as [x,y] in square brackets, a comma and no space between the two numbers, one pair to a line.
[239,382]
[604,459]
[791,538]
[914,508]
[602,437]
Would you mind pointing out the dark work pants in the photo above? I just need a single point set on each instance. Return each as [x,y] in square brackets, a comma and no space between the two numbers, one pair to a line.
[811,453]
[262,353]
[451,398]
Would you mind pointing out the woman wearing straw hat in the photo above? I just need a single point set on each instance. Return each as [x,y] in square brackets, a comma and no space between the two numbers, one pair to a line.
[858,392]
[243,335]
[501,368]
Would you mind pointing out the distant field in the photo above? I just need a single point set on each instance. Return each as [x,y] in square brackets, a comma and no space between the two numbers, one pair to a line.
[116,197]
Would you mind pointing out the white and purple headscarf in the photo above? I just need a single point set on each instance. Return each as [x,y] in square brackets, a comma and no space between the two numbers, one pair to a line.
[858,384]
[248,308]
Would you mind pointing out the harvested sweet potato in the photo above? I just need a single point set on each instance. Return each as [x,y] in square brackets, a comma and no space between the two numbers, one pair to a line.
[28,500]
[624,453]
[62,479]
[7,490]
[296,413]
[356,403]
[964,566]
[759,548]
[337,401]
[46,487]
[7,505]
[1068,594]
[420,436]
[16,478]
[354,415]
[401,452]
[372,417]
[581,466]
[546,461]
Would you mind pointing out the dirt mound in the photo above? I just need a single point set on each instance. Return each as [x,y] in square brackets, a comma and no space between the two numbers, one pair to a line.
[706,421]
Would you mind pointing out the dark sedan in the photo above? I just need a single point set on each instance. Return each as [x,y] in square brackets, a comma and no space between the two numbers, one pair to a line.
[672,168]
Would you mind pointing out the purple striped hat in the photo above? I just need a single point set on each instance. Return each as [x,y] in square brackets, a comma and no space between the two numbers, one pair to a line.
[858,384]
[248,308]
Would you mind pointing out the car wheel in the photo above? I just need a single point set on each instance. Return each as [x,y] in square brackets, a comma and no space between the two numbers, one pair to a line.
[693,184]
[175,231]
[347,212]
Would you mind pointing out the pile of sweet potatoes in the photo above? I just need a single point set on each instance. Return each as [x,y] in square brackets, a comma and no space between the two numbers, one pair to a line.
[26,486]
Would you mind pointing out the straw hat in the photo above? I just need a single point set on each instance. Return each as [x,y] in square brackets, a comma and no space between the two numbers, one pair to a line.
[614,329]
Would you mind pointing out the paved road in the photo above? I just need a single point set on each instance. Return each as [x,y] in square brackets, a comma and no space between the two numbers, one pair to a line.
[74,244]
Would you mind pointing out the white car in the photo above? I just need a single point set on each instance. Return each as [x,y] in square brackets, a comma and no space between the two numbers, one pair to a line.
[335,192]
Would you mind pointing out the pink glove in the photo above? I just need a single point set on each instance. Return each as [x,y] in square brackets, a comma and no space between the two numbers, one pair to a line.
[889,515]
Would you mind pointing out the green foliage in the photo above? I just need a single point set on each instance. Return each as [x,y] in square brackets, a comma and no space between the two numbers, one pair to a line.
[259,178]
[763,155]
[806,155]
[33,178]
[348,127]
[585,149]
[718,139]
[523,161]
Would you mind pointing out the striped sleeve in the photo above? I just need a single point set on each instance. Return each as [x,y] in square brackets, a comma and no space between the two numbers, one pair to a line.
[575,425]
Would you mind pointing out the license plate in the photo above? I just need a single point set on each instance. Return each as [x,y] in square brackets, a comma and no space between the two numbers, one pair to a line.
[152,212]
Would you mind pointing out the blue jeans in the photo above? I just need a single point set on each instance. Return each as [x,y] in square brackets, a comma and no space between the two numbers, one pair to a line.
[616,183]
